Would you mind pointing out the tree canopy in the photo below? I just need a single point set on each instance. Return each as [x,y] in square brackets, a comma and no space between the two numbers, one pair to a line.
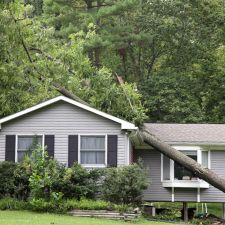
[151,60]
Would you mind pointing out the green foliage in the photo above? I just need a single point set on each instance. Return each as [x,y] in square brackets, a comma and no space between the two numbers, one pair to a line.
[124,184]
[175,101]
[87,204]
[63,206]
[170,51]
[45,172]
[170,214]
[201,222]
[13,204]
[51,181]
[21,175]
[42,205]
[79,182]
[7,185]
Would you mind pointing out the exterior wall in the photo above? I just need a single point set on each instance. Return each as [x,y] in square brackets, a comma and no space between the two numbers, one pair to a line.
[62,119]
[155,191]
[218,165]
[152,163]
[185,194]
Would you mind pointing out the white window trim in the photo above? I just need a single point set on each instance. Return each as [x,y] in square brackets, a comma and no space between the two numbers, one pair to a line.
[106,151]
[185,183]
[27,134]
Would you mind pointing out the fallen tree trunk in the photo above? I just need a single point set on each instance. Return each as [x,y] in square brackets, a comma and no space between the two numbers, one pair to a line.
[201,172]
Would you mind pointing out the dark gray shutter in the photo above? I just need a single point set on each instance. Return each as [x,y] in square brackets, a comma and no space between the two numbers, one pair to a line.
[73,149]
[112,150]
[10,147]
[50,145]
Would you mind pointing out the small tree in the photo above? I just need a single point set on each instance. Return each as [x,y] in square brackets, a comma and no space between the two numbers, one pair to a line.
[44,174]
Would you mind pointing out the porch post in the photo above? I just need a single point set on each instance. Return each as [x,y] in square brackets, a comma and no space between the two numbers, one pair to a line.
[185,210]
[223,211]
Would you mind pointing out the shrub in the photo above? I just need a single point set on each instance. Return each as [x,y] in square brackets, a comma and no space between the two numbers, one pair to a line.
[42,205]
[7,185]
[170,214]
[13,204]
[124,184]
[87,204]
[80,182]
[22,174]
[63,206]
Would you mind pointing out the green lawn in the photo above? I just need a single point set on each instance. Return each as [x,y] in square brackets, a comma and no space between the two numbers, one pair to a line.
[31,218]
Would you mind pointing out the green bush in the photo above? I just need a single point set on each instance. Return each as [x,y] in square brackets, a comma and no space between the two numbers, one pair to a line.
[38,177]
[22,174]
[42,205]
[87,204]
[13,204]
[170,214]
[80,183]
[50,179]
[124,185]
[7,179]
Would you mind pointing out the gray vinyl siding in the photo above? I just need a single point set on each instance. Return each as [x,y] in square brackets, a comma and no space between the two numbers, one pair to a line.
[62,119]
[218,165]
[152,164]
[185,194]
[155,191]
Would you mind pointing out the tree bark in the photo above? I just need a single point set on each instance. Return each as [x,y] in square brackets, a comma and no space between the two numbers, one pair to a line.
[190,164]
[68,94]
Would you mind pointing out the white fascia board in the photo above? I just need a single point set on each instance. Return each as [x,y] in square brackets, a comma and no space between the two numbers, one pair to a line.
[124,124]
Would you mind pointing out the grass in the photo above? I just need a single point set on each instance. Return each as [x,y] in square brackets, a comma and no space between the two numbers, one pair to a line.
[31,218]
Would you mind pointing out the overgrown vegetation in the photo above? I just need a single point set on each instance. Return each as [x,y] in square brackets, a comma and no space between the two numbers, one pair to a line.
[40,183]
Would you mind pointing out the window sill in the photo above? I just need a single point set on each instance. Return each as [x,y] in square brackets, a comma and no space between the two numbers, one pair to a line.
[93,165]
[185,184]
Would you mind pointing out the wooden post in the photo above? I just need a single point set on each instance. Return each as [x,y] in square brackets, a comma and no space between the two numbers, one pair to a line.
[223,213]
[185,210]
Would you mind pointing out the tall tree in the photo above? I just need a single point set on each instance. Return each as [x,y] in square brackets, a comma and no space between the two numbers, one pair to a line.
[48,65]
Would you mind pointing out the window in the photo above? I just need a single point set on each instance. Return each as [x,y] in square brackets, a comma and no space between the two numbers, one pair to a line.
[92,150]
[25,145]
[180,172]
[175,175]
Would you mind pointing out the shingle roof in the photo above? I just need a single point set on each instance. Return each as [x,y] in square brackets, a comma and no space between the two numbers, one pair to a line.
[189,133]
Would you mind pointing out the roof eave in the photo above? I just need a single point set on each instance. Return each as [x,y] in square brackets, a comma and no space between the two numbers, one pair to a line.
[124,124]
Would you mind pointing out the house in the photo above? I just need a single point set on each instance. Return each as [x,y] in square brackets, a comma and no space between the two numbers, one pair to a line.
[72,131]
[171,182]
